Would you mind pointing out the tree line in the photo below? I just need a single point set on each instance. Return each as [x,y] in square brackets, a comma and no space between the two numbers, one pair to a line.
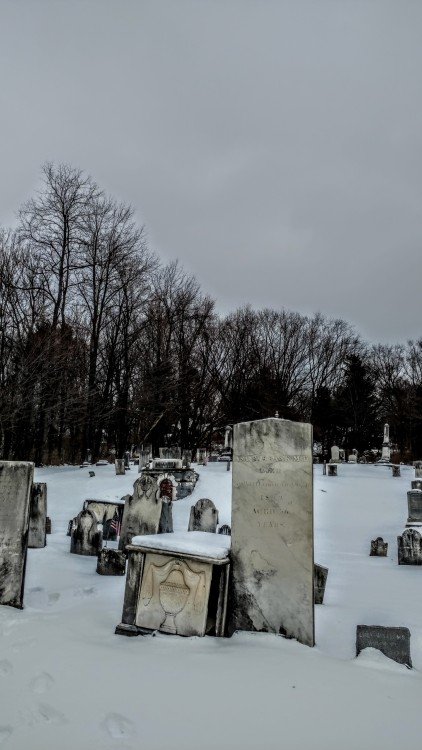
[103,347]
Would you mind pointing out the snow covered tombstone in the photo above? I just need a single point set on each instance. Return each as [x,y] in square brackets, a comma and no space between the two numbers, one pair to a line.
[85,538]
[409,548]
[203,516]
[393,642]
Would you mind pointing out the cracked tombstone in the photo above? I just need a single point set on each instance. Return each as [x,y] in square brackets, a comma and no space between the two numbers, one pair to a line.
[203,516]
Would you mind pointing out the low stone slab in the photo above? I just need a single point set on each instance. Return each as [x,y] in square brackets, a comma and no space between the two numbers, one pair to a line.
[393,642]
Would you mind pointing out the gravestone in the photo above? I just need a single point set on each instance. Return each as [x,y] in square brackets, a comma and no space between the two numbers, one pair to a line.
[167,491]
[126,459]
[111,562]
[167,464]
[144,457]
[416,484]
[85,538]
[335,454]
[186,459]
[91,474]
[395,471]
[203,516]
[15,497]
[272,587]
[393,642]
[320,582]
[142,511]
[409,548]
[414,508]
[225,529]
[228,465]
[120,466]
[48,525]
[379,548]
[385,450]
[37,516]
[332,470]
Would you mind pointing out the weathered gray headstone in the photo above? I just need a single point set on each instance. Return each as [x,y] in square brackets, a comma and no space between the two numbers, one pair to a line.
[120,466]
[272,586]
[379,548]
[15,497]
[48,525]
[85,538]
[38,516]
[203,516]
[395,471]
[111,562]
[409,548]
[186,459]
[142,511]
[414,507]
[393,642]
[416,484]
[320,582]
[332,470]
[144,457]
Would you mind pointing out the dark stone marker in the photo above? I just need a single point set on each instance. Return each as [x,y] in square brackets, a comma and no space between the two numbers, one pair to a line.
[111,562]
[332,470]
[85,539]
[15,497]
[393,642]
[203,516]
[92,474]
[225,529]
[416,484]
[119,466]
[48,525]
[320,580]
[71,525]
[166,519]
[409,548]
[379,548]
[414,506]
[395,471]
[37,516]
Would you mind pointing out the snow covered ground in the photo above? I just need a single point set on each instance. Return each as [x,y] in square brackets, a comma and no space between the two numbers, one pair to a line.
[67,682]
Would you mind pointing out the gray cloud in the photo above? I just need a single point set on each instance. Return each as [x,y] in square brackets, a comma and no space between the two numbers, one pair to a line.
[273,147]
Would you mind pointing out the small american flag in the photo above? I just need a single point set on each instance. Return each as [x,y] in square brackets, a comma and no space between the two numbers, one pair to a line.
[115,524]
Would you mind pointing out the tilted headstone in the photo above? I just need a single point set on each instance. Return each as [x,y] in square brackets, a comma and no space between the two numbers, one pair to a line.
[414,507]
[203,516]
[225,529]
[332,470]
[15,497]
[320,582]
[395,471]
[111,562]
[120,466]
[416,484]
[142,511]
[409,548]
[86,539]
[37,516]
[393,642]
[379,548]
[272,586]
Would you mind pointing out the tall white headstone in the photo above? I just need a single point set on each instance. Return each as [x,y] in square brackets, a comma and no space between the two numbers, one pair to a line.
[272,587]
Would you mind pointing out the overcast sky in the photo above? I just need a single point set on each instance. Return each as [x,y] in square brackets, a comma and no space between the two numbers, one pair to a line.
[273,147]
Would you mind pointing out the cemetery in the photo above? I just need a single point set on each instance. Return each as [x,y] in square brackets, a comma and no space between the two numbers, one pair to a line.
[299,577]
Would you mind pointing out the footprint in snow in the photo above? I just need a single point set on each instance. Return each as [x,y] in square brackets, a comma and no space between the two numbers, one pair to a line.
[118,727]
[5,733]
[41,683]
[49,715]
[6,667]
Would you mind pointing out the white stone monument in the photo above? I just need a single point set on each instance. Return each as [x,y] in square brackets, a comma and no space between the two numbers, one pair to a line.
[385,452]
[272,587]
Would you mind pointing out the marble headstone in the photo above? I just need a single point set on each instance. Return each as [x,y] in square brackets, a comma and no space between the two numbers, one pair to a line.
[15,497]
[142,511]
[38,516]
[272,587]
[203,516]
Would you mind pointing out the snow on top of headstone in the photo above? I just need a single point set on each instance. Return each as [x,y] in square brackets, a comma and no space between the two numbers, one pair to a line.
[189,542]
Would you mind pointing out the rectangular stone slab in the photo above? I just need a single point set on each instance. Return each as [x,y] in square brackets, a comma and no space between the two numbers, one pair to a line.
[15,495]
[272,584]
[394,642]
[37,516]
